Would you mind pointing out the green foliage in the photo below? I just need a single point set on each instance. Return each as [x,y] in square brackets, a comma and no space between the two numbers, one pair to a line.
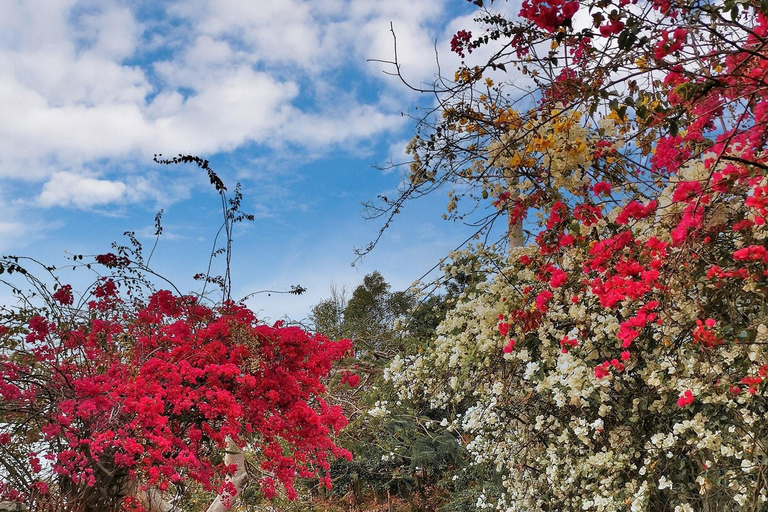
[392,454]
[401,450]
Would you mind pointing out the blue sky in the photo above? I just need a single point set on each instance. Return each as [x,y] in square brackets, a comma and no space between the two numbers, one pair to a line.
[278,94]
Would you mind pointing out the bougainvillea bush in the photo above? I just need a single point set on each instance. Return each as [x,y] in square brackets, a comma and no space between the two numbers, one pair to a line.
[108,403]
[616,359]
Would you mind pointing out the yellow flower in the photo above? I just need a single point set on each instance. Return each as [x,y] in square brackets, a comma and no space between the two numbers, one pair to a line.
[578,146]
[615,116]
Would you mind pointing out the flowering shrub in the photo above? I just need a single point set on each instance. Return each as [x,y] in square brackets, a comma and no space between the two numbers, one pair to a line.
[567,416]
[98,406]
[616,359]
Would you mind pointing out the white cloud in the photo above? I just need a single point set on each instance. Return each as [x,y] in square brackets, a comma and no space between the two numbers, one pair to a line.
[397,159]
[350,123]
[19,228]
[112,33]
[9,229]
[276,32]
[86,82]
[244,105]
[163,189]
[34,24]
[69,189]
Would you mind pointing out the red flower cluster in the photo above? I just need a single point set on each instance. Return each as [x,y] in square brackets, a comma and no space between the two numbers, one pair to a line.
[753,381]
[351,379]
[461,41]
[110,260]
[64,295]
[550,14]
[685,399]
[567,343]
[704,333]
[613,28]
[154,394]
[669,44]
[604,369]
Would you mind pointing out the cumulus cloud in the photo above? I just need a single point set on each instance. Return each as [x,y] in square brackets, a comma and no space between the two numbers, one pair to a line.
[18,228]
[10,229]
[69,189]
[86,82]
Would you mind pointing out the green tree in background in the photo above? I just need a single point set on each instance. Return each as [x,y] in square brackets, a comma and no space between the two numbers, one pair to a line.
[404,458]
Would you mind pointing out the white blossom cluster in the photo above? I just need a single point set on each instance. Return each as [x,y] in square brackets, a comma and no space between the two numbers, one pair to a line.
[559,434]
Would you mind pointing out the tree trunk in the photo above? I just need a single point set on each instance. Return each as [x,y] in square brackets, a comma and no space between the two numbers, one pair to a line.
[152,499]
[516,238]
[234,455]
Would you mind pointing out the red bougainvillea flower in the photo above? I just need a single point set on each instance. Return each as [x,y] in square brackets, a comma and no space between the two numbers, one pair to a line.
[549,15]
[685,399]
[155,392]
[111,260]
[64,295]
[460,42]
[542,299]
[349,378]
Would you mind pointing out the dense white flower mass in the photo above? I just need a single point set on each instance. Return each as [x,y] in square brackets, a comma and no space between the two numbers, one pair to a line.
[540,412]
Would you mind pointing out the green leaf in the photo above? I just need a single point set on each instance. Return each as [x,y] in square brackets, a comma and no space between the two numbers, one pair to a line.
[626,40]
[673,127]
